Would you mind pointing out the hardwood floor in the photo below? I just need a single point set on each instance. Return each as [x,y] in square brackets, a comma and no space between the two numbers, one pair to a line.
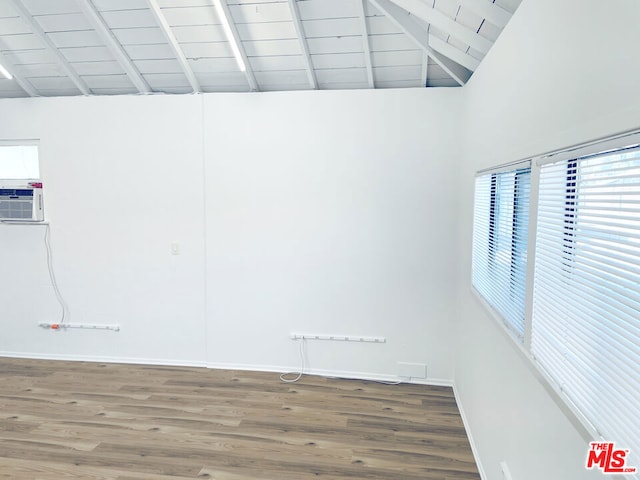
[77,420]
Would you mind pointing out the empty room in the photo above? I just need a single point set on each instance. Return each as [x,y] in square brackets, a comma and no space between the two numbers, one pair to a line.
[295,239]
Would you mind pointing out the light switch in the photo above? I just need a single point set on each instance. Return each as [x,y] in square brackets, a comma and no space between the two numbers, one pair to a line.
[175,248]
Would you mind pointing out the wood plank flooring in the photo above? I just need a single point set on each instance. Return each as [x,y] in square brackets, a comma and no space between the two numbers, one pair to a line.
[77,420]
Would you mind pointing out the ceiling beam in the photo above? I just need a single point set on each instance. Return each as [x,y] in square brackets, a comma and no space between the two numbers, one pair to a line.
[51,47]
[175,46]
[402,19]
[365,43]
[425,68]
[458,56]
[295,15]
[113,45]
[488,10]
[23,82]
[235,38]
[439,20]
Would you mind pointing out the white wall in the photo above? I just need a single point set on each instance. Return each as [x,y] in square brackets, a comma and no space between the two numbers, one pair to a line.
[561,73]
[317,212]
[331,213]
[122,181]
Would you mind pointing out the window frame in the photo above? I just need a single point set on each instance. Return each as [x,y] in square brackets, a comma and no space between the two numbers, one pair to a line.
[573,155]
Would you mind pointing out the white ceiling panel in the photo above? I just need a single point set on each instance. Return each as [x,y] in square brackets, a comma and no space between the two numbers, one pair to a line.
[87,54]
[335,45]
[386,43]
[98,68]
[13,26]
[490,31]
[114,91]
[184,3]
[344,60]
[210,81]
[40,70]
[381,26]
[334,27]
[272,47]
[58,92]
[342,75]
[107,81]
[207,50]
[110,5]
[53,83]
[328,43]
[191,16]
[396,58]
[162,80]
[26,41]
[29,57]
[129,18]
[402,84]
[149,52]
[199,33]
[51,7]
[267,31]
[64,23]
[6,10]
[139,36]
[282,77]
[87,38]
[261,13]
[322,9]
[213,65]
[393,74]
[158,66]
[267,64]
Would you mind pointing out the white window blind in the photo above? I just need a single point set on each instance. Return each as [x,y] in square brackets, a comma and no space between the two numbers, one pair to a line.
[500,227]
[586,293]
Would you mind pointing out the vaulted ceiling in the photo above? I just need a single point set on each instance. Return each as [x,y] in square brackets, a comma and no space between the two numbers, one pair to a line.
[110,47]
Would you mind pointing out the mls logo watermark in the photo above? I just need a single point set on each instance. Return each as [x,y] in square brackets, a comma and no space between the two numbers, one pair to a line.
[609,459]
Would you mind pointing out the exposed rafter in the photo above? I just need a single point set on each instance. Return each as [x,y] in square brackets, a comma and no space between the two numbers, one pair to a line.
[24,83]
[295,15]
[113,45]
[175,46]
[489,10]
[51,47]
[439,20]
[458,56]
[402,19]
[253,84]
[365,43]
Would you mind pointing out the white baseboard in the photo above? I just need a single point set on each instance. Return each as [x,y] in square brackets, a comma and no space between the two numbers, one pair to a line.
[467,428]
[104,359]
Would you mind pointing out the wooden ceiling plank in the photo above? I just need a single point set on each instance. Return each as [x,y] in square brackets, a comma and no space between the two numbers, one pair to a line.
[420,36]
[236,43]
[23,82]
[114,46]
[488,10]
[175,46]
[438,19]
[35,27]
[365,43]
[304,47]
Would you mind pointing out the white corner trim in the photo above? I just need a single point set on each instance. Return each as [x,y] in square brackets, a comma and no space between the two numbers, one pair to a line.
[467,429]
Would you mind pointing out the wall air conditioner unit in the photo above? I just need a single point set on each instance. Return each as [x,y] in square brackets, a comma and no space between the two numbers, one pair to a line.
[21,202]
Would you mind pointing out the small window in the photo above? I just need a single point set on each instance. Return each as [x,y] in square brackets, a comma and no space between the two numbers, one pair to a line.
[500,229]
[19,162]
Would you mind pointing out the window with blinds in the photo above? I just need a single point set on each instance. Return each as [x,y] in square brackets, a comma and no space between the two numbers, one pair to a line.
[500,231]
[585,325]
